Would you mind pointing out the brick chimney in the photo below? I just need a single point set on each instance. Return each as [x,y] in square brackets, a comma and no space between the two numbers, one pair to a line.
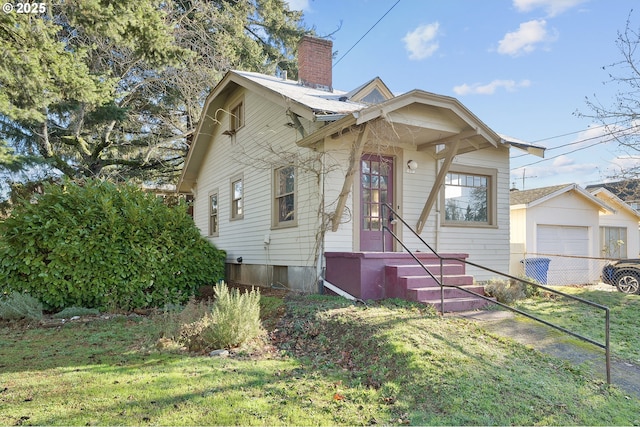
[314,63]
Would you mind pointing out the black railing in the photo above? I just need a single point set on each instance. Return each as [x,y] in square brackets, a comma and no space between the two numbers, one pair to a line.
[393,215]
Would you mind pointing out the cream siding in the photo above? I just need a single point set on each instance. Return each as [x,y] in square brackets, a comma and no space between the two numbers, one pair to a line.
[487,246]
[251,153]
[518,240]
[565,210]
[335,163]
[622,218]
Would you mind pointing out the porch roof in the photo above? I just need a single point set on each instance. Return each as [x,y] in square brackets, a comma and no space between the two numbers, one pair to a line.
[418,118]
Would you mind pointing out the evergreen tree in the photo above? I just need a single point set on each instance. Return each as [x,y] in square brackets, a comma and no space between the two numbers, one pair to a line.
[114,88]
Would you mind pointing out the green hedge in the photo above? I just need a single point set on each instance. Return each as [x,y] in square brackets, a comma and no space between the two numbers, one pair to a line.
[106,246]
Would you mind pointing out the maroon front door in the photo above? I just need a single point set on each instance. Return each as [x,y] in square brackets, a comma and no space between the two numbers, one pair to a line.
[376,188]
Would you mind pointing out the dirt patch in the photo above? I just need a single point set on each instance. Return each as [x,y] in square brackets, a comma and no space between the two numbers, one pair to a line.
[207,292]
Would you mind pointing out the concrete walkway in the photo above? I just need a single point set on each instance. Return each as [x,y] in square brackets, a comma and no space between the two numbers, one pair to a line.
[545,339]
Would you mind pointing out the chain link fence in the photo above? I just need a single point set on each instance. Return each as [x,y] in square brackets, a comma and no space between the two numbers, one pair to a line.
[557,269]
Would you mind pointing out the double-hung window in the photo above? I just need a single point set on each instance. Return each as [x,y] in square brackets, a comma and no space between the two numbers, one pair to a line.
[237,197]
[284,196]
[214,222]
[236,117]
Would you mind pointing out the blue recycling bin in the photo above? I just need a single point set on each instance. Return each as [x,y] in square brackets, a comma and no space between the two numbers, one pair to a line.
[536,268]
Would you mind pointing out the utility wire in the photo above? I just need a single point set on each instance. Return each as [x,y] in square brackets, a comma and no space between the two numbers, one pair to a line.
[365,34]
[581,140]
[612,137]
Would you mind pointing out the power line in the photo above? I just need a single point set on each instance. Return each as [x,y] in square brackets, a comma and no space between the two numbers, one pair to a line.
[580,141]
[365,34]
[612,137]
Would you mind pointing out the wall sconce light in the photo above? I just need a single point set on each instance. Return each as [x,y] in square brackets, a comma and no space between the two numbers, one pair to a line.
[412,165]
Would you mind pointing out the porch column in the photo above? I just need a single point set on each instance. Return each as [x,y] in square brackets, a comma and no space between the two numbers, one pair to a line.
[451,152]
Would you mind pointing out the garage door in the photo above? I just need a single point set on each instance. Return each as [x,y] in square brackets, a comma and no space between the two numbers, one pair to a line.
[565,245]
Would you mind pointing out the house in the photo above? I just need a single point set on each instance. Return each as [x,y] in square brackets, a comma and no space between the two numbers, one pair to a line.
[577,230]
[291,178]
[619,235]
[627,190]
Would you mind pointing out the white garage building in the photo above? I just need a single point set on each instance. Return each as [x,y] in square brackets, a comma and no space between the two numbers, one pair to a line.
[561,224]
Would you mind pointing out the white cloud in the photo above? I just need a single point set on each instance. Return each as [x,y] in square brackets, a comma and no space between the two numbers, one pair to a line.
[562,170]
[551,7]
[562,161]
[623,166]
[421,42]
[298,4]
[625,163]
[526,38]
[490,88]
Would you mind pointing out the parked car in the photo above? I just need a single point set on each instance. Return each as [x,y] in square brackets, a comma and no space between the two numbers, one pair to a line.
[623,274]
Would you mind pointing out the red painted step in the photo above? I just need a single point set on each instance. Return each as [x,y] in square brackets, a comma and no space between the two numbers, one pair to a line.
[412,282]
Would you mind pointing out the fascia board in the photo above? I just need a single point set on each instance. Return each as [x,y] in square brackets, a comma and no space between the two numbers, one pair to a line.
[433,100]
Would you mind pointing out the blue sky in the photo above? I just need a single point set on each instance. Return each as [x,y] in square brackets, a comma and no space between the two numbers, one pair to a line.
[524,67]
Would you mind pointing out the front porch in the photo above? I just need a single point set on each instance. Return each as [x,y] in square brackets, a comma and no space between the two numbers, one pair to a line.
[379,275]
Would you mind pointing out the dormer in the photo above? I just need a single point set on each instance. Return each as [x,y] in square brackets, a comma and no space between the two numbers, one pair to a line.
[372,92]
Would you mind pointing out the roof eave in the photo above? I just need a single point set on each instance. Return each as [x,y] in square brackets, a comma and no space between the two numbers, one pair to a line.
[327,130]
[418,96]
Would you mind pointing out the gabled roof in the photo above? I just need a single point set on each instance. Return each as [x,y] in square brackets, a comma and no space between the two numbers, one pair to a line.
[612,199]
[319,102]
[426,120]
[360,93]
[530,198]
[419,117]
[627,190]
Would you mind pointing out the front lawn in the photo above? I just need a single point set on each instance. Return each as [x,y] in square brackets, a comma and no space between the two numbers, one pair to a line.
[590,322]
[328,362]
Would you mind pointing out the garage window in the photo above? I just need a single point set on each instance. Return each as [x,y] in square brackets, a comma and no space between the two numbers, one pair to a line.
[613,242]
[469,197]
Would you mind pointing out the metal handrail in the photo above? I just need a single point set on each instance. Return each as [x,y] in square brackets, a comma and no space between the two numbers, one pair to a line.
[606,346]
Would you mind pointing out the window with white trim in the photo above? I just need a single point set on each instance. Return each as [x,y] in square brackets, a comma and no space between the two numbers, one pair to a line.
[284,208]
[613,242]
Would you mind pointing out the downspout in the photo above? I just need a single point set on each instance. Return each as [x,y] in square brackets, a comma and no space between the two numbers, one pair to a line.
[320,261]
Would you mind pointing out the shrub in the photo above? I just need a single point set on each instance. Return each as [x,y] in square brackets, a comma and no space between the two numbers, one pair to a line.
[106,246]
[509,291]
[185,327]
[19,305]
[231,320]
[236,317]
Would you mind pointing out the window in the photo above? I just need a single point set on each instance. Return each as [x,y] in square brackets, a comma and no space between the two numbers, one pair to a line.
[613,242]
[284,196]
[237,196]
[236,117]
[213,214]
[469,197]
[373,97]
